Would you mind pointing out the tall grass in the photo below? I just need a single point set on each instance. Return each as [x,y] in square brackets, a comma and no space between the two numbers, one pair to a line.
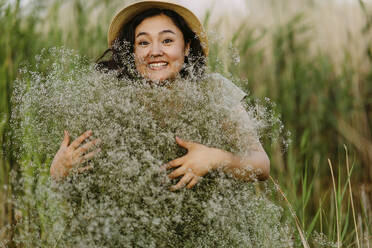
[312,60]
[324,97]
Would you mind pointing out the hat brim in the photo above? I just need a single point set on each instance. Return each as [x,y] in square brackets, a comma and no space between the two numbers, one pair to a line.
[129,12]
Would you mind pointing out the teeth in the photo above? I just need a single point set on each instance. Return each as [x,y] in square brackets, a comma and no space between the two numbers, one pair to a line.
[154,65]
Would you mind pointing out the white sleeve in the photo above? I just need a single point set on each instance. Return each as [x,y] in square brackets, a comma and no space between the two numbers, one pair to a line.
[232,93]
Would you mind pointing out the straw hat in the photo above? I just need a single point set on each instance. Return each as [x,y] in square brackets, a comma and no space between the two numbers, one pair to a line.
[130,11]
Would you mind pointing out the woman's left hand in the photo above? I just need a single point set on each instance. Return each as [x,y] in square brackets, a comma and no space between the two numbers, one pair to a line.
[198,161]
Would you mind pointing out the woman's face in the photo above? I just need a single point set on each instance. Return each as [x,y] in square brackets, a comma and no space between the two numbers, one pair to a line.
[159,48]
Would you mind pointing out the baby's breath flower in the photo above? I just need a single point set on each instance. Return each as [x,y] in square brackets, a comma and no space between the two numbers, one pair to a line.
[125,200]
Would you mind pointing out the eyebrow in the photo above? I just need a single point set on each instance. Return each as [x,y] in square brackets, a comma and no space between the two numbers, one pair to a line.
[167,31]
[162,32]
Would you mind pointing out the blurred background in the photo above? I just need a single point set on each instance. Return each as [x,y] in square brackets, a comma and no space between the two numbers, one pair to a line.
[311,58]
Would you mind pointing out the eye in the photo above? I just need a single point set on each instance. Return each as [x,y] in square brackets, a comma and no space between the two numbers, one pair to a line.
[143,43]
[167,41]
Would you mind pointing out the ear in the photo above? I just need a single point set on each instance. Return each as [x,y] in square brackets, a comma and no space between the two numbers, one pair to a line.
[187,49]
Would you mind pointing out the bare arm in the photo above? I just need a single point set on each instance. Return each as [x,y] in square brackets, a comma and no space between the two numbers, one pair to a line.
[201,159]
[256,165]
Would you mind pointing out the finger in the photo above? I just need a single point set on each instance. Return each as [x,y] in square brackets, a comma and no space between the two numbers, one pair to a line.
[86,147]
[175,163]
[85,168]
[184,180]
[66,139]
[193,182]
[79,140]
[177,173]
[183,143]
[88,156]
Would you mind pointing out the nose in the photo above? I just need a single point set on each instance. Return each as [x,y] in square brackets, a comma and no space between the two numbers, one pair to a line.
[156,49]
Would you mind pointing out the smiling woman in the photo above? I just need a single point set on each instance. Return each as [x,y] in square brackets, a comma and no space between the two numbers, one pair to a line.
[159,41]
[159,49]
[127,52]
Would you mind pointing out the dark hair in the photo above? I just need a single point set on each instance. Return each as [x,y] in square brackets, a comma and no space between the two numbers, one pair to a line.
[122,57]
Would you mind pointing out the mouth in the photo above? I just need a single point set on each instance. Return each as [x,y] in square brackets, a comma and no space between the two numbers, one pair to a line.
[157,65]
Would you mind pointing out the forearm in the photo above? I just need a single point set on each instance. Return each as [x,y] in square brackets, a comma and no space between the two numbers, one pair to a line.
[256,165]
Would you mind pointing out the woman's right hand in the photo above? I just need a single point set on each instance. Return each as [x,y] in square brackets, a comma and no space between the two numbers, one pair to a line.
[69,156]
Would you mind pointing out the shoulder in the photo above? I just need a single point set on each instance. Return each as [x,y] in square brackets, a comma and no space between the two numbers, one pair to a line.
[227,87]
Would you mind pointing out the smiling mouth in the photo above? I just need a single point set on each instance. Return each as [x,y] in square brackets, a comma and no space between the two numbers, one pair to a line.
[158,65]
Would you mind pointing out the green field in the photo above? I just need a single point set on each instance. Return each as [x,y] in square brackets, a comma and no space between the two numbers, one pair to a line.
[308,62]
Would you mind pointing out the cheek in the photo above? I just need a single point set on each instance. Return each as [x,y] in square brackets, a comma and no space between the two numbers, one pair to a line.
[139,60]
[140,54]
[177,56]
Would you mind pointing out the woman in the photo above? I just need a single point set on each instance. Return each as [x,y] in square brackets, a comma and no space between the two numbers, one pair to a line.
[160,41]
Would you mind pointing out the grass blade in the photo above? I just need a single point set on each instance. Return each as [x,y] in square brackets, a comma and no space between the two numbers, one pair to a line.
[336,205]
[351,198]
[302,236]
